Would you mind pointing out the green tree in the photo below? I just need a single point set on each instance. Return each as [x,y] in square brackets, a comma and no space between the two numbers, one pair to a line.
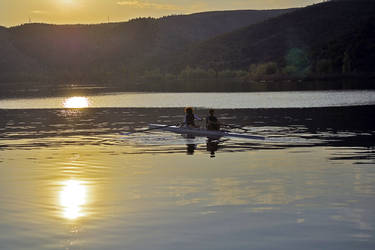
[299,60]
[264,69]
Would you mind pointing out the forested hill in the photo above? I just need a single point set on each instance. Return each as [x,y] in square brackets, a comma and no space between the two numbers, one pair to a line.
[319,37]
[103,51]
[323,31]
[208,51]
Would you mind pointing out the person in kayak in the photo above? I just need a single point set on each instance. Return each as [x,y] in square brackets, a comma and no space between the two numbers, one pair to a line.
[190,118]
[212,123]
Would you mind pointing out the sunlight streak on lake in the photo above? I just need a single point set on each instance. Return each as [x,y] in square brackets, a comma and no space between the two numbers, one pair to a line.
[76,102]
[72,197]
[291,99]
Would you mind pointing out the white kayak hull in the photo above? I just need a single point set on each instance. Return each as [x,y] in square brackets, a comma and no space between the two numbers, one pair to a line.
[203,132]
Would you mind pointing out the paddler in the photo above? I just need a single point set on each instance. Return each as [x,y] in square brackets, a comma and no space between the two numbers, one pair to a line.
[212,123]
[190,117]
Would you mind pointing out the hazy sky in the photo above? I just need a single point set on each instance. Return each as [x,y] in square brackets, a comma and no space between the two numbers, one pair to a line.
[14,12]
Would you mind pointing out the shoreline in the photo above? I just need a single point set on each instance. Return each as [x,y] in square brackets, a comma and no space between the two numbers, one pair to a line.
[43,90]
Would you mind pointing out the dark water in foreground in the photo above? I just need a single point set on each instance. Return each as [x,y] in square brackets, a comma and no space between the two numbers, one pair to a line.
[69,180]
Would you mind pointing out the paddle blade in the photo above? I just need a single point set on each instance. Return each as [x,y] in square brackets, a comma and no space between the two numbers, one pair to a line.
[127,133]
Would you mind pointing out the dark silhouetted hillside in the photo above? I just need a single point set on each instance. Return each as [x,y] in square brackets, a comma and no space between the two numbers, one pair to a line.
[12,60]
[211,51]
[104,51]
[316,33]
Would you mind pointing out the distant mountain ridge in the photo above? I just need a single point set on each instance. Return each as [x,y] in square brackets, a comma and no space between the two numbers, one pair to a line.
[309,30]
[131,45]
[197,51]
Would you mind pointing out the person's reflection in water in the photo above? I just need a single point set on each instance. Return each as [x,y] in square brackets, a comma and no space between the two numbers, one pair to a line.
[212,146]
[190,148]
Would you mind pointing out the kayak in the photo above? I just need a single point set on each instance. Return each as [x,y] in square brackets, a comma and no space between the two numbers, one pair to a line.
[203,132]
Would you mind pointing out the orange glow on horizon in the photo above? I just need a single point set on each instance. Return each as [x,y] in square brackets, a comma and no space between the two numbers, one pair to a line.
[14,13]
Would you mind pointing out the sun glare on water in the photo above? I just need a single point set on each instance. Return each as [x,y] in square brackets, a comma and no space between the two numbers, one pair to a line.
[76,102]
[72,197]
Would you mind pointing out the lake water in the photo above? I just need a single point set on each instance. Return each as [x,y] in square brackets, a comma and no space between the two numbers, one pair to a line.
[70,180]
[292,99]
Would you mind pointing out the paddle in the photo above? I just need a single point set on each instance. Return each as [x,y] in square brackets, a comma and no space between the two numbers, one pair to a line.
[236,127]
[145,130]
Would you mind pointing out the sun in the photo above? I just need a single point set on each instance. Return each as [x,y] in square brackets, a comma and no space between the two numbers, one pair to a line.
[76,102]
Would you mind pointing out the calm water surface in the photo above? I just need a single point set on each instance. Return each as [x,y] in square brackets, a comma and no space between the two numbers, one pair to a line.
[70,180]
[291,99]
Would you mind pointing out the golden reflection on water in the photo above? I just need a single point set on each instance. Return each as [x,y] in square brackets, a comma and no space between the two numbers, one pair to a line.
[73,197]
[76,102]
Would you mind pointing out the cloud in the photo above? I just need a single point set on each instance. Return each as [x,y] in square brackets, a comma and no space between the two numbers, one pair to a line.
[148,5]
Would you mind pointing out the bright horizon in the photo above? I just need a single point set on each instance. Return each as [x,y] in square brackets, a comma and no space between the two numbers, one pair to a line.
[16,12]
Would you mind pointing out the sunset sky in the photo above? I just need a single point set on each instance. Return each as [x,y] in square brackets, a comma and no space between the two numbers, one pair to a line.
[15,12]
